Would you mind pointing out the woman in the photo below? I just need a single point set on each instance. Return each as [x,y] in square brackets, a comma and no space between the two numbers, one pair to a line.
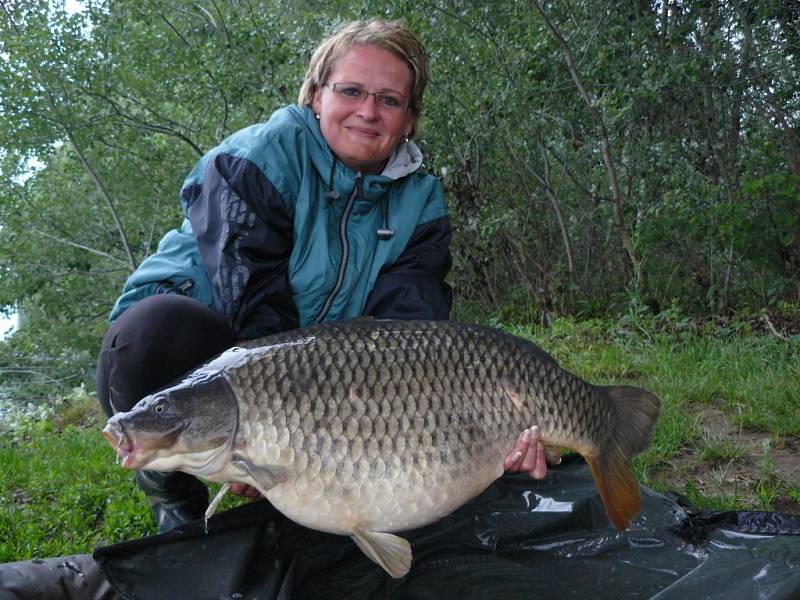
[319,214]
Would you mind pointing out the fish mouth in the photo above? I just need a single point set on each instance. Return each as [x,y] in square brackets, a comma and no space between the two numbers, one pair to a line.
[119,439]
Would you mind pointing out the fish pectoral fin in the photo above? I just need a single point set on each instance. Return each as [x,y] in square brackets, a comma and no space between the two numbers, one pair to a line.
[265,477]
[391,552]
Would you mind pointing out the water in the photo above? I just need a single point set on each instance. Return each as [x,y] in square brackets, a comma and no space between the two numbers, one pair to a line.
[13,413]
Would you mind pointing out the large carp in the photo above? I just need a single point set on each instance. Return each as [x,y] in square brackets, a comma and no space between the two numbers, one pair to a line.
[367,427]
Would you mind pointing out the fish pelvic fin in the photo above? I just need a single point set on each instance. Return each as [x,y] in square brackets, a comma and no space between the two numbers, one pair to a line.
[212,508]
[391,552]
[636,411]
[265,477]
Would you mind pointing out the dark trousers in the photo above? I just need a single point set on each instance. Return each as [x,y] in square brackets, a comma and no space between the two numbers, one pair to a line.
[154,343]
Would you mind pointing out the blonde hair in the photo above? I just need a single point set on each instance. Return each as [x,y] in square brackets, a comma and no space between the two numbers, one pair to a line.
[389,35]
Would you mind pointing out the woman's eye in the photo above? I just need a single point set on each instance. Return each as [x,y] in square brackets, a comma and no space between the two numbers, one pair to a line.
[389,101]
[352,92]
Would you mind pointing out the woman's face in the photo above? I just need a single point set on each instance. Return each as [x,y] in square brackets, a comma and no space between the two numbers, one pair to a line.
[362,132]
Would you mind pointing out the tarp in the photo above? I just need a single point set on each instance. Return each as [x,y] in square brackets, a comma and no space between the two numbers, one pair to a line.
[62,578]
[519,539]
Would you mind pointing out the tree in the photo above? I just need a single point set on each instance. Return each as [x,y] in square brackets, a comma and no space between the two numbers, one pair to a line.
[595,155]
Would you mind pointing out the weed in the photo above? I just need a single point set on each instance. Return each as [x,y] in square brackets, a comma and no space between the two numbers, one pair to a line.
[769,486]
[717,449]
[719,502]
[79,408]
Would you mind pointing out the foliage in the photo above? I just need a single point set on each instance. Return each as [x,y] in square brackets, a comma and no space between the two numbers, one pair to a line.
[595,155]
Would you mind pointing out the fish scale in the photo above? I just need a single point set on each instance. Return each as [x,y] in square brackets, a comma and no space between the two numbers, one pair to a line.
[362,369]
[367,427]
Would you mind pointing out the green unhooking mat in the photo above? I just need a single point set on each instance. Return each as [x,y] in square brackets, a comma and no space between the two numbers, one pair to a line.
[519,539]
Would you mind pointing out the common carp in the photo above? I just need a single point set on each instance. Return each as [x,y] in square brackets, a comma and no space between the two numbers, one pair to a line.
[369,427]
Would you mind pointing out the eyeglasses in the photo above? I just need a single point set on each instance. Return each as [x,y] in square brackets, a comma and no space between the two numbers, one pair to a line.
[352,92]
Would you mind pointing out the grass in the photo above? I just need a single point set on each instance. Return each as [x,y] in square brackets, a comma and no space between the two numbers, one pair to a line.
[752,380]
[714,449]
[62,493]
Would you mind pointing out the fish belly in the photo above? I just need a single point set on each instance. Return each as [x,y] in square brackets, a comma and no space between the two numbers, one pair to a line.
[384,504]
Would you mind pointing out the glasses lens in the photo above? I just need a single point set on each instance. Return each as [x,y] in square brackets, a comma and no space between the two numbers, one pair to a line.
[349,91]
[390,101]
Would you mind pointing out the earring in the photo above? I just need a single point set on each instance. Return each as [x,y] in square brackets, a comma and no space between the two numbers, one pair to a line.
[405,139]
[317,115]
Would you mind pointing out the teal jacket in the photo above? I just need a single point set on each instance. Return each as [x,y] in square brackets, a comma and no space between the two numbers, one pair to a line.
[278,233]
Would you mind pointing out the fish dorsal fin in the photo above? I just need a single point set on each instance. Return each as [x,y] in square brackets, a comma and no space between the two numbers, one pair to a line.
[265,477]
[391,552]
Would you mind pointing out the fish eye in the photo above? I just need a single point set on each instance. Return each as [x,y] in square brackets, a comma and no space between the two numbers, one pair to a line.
[159,408]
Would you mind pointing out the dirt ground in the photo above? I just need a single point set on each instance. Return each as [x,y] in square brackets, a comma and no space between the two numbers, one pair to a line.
[752,459]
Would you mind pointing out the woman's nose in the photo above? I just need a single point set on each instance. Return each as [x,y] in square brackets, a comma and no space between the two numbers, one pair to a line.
[368,108]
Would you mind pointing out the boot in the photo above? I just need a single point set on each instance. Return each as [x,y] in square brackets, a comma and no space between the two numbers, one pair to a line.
[175,498]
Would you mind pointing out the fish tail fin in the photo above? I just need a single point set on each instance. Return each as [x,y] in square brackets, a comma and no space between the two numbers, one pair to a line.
[636,411]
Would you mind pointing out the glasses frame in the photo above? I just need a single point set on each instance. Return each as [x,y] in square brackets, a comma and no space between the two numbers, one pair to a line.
[404,102]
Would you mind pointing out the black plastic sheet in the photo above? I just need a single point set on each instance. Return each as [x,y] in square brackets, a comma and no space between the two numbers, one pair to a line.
[62,578]
[519,539]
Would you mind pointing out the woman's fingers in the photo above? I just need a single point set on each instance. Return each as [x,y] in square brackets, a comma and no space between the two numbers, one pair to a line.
[528,455]
[242,489]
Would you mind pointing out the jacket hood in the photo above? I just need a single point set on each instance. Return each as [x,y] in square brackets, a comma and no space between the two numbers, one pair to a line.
[405,159]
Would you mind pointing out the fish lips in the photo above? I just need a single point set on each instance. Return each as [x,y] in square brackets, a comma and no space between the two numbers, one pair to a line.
[119,440]
[133,455]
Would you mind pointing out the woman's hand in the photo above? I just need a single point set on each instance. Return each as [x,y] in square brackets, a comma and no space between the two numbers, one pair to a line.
[529,455]
[242,489]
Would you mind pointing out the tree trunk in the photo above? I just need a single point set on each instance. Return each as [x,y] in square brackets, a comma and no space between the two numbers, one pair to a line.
[639,275]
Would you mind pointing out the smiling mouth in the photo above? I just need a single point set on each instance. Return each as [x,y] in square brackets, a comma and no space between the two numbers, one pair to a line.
[364,132]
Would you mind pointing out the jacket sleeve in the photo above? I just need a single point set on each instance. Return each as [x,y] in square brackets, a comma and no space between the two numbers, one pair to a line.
[176,268]
[413,286]
[244,234]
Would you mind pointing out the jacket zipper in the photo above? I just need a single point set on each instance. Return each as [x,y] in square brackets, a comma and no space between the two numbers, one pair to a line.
[345,249]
